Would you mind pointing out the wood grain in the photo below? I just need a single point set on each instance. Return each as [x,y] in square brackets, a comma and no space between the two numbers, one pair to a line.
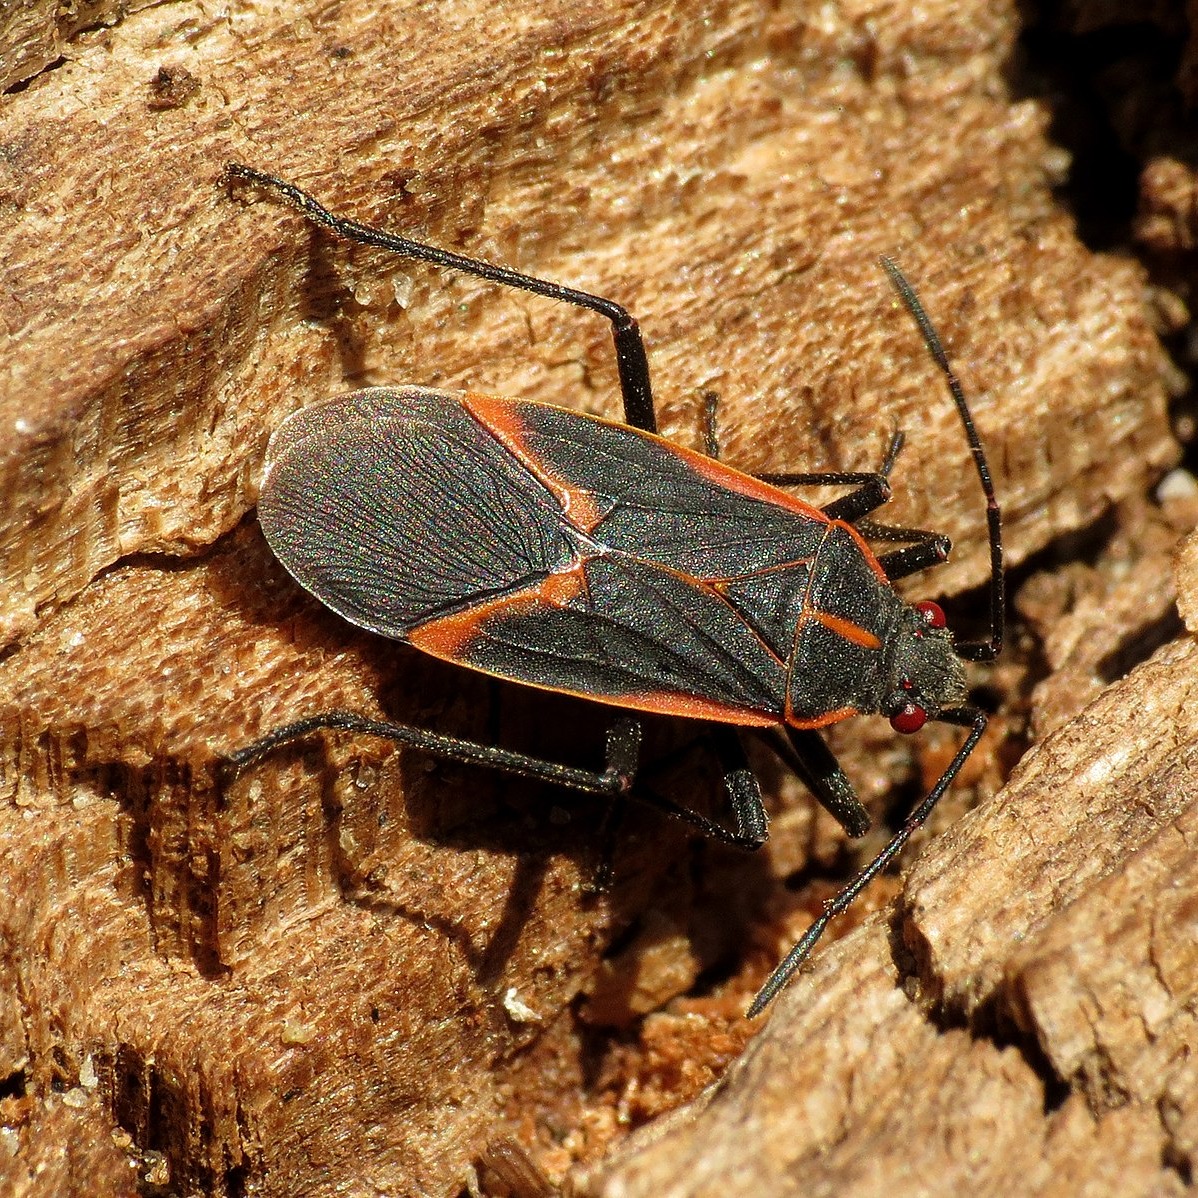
[355,969]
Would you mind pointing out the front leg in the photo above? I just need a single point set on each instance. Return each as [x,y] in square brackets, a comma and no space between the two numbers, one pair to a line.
[871,488]
[804,750]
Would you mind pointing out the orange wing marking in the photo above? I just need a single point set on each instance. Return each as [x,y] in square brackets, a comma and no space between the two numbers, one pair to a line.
[693,707]
[732,479]
[449,637]
[847,629]
[501,418]
[821,721]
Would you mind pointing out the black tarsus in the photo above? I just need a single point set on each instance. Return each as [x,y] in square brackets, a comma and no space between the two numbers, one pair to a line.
[871,487]
[741,786]
[930,549]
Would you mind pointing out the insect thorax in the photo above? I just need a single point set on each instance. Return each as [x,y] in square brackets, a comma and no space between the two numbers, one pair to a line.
[858,645]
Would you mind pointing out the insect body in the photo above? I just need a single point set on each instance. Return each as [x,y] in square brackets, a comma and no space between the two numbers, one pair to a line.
[584,556]
[581,555]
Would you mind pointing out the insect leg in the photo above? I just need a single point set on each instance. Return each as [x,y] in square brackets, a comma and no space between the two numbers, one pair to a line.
[632,362]
[743,838]
[924,549]
[804,750]
[741,785]
[711,424]
[607,834]
[616,779]
[741,788]
[970,717]
[871,487]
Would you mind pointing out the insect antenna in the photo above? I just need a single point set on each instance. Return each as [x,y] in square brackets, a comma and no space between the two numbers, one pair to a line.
[988,649]
[973,718]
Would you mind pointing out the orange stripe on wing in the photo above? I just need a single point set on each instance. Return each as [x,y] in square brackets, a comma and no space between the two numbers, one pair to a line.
[821,721]
[693,707]
[732,479]
[842,627]
[449,637]
[501,418]
[847,629]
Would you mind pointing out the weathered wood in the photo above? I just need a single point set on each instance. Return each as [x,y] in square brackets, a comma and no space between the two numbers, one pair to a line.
[68,1144]
[1066,908]
[852,1089]
[161,322]
[355,969]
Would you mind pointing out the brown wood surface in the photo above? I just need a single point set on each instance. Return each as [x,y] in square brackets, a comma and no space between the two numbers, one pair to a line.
[358,971]
[1060,920]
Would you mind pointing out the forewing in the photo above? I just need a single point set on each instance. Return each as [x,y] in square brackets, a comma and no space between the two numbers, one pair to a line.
[625,631]
[544,547]
[639,494]
[393,507]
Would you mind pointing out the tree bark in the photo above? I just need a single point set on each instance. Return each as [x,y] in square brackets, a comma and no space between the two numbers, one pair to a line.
[354,969]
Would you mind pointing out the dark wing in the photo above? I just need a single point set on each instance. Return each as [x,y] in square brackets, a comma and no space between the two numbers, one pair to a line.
[393,506]
[640,494]
[624,631]
[546,547]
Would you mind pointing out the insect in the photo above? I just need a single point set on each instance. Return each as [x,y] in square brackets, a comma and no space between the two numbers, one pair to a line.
[577,554]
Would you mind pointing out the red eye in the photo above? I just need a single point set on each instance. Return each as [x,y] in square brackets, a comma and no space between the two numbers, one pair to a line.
[910,718]
[933,614]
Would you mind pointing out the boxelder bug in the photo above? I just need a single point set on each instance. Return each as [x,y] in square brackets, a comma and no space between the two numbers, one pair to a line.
[581,555]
